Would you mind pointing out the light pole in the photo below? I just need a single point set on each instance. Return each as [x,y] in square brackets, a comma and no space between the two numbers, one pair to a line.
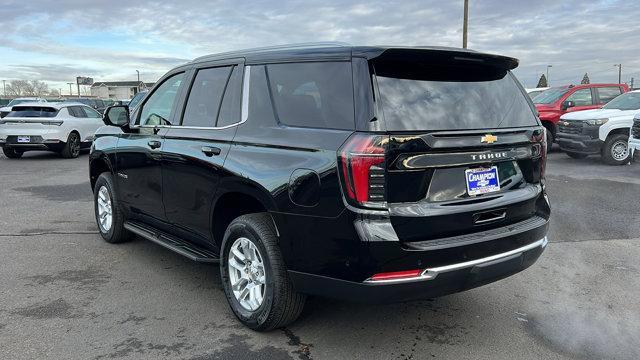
[138,72]
[70,91]
[464,24]
[619,73]
[548,82]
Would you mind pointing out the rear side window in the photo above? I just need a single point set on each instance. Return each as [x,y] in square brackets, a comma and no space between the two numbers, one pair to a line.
[205,97]
[316,94]
[423,97]
[91,113]
[606,94]
[77,111]
[33,111]
[230,108]
[581,97]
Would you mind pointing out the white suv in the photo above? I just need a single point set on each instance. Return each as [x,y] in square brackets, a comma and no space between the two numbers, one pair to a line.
[62,128]
[5,110]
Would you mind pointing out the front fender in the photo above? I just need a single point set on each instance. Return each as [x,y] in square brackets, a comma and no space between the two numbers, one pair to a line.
[614,124]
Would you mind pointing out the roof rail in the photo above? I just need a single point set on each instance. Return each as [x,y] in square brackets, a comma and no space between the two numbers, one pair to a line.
[280,47]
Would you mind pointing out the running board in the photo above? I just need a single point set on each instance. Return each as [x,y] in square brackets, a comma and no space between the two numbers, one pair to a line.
[182,247]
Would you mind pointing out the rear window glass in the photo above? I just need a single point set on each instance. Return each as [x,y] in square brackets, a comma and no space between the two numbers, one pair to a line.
[607,94]
[33,111]
[318,95]
[451,98]
[550,96]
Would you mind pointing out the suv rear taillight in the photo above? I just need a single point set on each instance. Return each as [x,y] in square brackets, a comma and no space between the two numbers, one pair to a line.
[362,165]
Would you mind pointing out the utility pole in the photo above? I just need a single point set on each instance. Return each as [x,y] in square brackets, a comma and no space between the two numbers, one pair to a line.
[138,72]
[70,92]
[548,82]
[465,24]
[631,85]
[619,72]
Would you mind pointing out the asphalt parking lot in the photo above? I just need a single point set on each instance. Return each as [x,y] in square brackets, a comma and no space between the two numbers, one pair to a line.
[67,294]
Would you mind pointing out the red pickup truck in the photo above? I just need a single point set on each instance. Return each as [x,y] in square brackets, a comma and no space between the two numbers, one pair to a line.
[556,101]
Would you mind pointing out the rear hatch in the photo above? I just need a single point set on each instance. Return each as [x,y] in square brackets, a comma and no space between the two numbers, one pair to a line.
[463,148]
[33,121]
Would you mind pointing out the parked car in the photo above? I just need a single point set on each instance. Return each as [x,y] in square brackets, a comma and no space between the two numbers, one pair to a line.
[533,92]
[634,136]
[5,110]
[282,165]
[96,104]
[65,128]
[602,131]
[135,100]
[556,101]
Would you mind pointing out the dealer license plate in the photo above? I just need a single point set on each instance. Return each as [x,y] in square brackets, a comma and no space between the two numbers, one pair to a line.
[482,180]
[24,139]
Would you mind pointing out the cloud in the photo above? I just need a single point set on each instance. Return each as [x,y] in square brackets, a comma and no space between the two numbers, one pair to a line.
[113,38]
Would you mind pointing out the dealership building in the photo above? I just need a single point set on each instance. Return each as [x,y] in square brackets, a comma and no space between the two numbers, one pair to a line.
[118,90]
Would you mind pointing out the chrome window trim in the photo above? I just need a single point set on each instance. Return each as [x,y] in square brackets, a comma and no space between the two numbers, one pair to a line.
[244,111]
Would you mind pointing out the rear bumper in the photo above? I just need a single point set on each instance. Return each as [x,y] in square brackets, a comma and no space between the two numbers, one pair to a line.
[37,143]
[432,282]
[583,144]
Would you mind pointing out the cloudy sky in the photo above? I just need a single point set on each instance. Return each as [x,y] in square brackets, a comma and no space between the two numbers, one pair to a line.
[56,41]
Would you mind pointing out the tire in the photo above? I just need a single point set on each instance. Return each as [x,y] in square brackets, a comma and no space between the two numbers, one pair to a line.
[280,304]
[71,148]
[115,231]
[575,155]
[12,153]
[611,151]
[549,141]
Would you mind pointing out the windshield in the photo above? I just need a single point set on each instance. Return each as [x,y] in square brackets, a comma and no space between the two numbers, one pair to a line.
[446,98]
[550,96]
[33,111]
[136,99]
[20,101]
[628,101]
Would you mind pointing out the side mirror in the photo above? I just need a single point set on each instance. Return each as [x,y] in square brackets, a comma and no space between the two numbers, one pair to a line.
[567,104]
[117,115]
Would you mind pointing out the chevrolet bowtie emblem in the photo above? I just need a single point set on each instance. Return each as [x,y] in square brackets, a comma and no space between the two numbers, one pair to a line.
[489,139]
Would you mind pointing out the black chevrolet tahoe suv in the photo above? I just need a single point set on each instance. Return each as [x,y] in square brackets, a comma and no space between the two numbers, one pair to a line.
[374,174]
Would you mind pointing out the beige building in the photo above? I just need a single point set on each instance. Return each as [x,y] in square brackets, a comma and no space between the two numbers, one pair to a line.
[118,90]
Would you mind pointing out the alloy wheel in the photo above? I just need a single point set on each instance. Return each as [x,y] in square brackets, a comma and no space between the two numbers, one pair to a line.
[74,144]
[247,274]
[105,211]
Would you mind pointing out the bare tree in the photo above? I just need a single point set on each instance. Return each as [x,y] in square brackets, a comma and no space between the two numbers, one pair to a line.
[17,87]
[27,88]
[39,88]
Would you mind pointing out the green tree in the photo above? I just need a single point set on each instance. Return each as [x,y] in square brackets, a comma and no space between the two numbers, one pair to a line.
[542,82]
[585,79]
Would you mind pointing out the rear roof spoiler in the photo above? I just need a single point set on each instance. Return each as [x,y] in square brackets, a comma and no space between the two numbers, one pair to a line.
[443,56]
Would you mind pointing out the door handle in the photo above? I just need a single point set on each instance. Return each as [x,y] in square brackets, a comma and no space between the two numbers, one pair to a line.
[210,151]
[154,144]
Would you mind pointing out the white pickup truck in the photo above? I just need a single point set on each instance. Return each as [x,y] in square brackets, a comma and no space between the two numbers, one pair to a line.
[603,131]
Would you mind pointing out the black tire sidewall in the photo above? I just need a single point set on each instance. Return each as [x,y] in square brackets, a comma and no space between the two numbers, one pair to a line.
[12,153]
[252,319]
[106,181]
